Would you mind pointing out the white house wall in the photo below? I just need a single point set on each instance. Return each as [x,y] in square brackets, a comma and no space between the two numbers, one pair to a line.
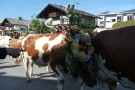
[109,21]
[19,27]
[124,18]
[101,20]
[57,21]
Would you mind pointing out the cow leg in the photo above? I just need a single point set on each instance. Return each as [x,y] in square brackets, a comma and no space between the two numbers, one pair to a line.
[19,59]
[60,78]
[82,86]
[26,64]
[48,67]
[31,68]
[105,74]
[112,84]
[60,83]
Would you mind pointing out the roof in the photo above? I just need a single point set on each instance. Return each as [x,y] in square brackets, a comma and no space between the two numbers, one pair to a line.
[106,12]
[62,8]
[132,10]
[123,12]
[17,21]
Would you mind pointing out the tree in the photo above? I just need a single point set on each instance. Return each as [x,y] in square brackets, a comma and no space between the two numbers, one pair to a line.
[35,25]
[77,19]
[38,26]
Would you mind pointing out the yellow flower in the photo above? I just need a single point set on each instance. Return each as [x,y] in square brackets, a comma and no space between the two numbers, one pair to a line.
[74,46]
[70,38]
[75,27]
[75,53]
[91,49]
[81,55]
[82,33]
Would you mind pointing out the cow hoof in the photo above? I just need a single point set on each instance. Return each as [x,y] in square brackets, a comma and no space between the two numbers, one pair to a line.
[28,81]
[16,62]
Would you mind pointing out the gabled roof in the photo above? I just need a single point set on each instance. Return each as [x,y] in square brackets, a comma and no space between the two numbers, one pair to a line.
[57,6]
[17,21]
[62,8]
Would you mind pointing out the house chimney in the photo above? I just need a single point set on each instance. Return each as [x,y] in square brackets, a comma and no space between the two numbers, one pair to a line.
[68,7]
[20,18]
[72,7]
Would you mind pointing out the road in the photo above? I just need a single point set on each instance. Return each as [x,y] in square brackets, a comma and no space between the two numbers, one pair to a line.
[12,77]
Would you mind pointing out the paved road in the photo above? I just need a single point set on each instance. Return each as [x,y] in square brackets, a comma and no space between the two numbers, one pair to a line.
[12,77]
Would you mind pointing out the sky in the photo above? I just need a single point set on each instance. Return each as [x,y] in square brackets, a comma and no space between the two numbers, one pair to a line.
[30,8]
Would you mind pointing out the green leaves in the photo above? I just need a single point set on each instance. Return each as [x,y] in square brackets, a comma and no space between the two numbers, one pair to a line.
[38,26]
[123,24]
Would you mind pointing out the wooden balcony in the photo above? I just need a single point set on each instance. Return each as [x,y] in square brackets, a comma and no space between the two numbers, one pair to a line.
[53,14]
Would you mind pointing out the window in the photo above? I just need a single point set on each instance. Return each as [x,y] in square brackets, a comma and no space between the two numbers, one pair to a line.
[101,26]
[22,29]
[101,22]
[119,18]
[130,17]
[62,21]
[113,20]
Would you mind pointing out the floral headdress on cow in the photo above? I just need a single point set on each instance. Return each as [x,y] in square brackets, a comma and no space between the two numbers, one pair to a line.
[79,46]
[79,43]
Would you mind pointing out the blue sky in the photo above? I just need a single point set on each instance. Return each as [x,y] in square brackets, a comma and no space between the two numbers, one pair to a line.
[28,8]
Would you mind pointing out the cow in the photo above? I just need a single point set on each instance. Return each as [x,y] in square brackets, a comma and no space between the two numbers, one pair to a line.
[115,56]
[17,43]
[37,48]
[4,41]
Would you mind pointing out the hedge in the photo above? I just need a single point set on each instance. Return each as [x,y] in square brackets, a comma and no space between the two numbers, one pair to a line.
[123,24]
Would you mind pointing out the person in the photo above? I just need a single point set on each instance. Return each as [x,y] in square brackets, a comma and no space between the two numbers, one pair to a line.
[14,52]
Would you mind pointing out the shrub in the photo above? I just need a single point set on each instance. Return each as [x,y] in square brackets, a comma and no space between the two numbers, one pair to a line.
[123,24]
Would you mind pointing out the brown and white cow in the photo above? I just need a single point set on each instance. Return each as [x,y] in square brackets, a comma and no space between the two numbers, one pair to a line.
[115,56]
[38,47]
[34,50]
